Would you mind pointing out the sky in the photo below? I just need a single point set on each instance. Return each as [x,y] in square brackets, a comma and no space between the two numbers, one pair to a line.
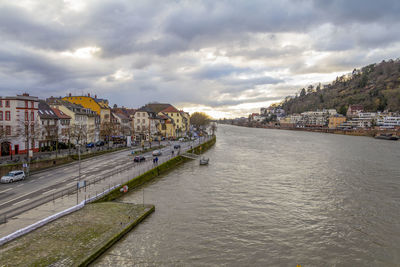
[226,58]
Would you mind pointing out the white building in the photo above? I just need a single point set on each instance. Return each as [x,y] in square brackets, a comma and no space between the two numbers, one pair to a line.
[18,124]
[145,124]
[389,122]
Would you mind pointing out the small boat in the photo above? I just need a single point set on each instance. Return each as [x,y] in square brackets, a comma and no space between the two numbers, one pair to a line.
[204,161]
[388,136]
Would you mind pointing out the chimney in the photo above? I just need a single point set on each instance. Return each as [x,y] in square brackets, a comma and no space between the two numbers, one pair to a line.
[25,94]
[69,94]
[88,94]
[95,96]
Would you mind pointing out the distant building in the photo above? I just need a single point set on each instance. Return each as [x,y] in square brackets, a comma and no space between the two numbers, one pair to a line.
[354,110]
[335,121]
[388,122]
[18,124]
[98,105]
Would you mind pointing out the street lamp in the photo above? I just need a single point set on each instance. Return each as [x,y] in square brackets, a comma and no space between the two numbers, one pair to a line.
[79,172]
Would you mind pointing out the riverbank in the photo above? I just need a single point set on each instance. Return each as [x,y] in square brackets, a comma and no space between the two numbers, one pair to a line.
[83,231]
[353,132]
[158,170]
[76,239]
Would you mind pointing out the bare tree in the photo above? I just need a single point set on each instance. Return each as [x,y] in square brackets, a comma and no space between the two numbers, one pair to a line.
[52,136]
[107,129]
[29,132]
[79,133]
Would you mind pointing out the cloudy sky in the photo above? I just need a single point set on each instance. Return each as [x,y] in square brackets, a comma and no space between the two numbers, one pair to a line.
[227,58]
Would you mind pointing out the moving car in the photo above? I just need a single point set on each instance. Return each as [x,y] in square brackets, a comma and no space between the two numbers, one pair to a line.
[13,176]
[177,146]
[99,143]
[89,145]
[139,158]
[156,152]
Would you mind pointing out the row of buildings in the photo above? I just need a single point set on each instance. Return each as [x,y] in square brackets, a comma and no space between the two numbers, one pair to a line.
[356,118]
[29,123]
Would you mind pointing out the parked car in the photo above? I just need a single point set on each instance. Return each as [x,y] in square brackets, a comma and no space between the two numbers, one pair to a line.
[139,158]
[177,146]
[89,145]
[181,139]
[99,143]
[13,176]
[156,152]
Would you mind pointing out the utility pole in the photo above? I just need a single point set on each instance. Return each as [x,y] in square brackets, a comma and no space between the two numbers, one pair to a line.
[79,172]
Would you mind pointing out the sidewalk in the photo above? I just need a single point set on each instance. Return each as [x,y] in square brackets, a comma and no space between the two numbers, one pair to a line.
[59,204]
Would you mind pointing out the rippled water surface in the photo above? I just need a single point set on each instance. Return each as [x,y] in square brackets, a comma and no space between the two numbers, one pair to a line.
[272,198]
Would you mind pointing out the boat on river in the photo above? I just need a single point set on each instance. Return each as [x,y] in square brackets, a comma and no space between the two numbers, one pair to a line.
[387,136]
[204,161]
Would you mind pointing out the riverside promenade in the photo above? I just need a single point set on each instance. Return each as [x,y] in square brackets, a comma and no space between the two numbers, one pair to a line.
[117,178]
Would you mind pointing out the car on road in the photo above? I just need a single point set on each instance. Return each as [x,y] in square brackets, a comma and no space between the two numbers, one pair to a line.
[13,176]
[156,152]
[89,145]
[177,146]
[181,139]
[99,143]
[139,158]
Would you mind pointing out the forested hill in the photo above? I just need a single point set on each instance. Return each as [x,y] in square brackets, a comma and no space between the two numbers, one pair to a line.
[376,87]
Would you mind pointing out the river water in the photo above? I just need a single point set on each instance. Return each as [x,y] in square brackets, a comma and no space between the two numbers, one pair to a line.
[272,198]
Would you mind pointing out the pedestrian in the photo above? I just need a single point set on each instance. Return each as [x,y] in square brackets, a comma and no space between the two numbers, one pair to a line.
[157,160]
[173,152]
[154,160]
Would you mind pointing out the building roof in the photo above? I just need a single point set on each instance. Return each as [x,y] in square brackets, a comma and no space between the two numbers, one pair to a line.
[170,109]
[60,114]
[45,111]
[157,107]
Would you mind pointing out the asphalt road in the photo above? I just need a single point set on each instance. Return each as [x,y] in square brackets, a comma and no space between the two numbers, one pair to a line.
[16,197]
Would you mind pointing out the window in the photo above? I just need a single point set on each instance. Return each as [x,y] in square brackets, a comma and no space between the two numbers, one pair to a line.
[32,104]
[32,116]
[143,120]
[26,116]
[1,103]
[7,103]
[26,103]
[1,115]
[8,130]
[177,120]
[138,128]
[32,129]
[8,116]
[138,120]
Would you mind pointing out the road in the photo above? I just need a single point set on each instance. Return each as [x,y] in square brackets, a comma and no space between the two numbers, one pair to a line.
[20,196]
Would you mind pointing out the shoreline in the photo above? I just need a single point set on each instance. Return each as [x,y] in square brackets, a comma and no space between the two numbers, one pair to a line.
[360,132]
[51,235]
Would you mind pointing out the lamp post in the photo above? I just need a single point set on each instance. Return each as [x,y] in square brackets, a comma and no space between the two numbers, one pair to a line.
[79,172]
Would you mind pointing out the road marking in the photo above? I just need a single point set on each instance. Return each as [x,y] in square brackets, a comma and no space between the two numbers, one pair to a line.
[7,190]
[72,183]
[20,201]
[20,185]
[16,198]
[49,191]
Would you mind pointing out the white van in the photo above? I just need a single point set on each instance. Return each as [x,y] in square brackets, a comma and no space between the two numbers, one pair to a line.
[13,176]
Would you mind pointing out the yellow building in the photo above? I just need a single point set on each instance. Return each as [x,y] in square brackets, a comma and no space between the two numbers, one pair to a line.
[100,106]
[335,121]
[178,119]
[166,127]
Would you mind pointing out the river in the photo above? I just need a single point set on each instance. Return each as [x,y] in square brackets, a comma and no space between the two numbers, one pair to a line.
[272,198]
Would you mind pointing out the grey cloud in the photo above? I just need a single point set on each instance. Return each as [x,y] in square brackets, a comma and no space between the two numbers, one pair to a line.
[218,71]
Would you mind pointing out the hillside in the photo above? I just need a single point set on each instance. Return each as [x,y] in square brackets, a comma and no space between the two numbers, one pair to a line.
[376,87]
